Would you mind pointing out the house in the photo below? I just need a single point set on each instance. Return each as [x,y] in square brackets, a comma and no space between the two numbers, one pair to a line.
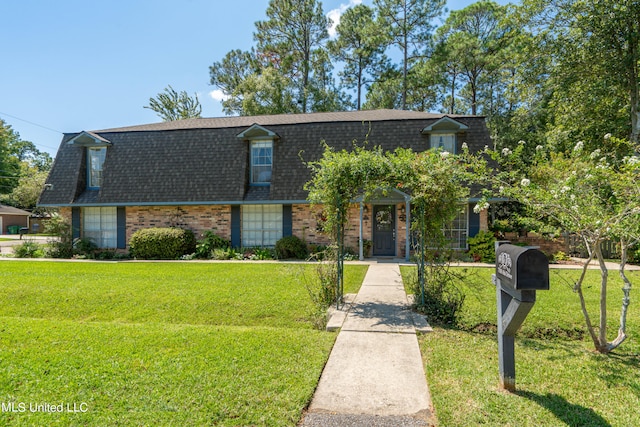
[13,219]
[242,177]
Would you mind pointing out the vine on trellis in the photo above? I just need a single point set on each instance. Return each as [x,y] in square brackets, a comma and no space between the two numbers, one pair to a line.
[435,181]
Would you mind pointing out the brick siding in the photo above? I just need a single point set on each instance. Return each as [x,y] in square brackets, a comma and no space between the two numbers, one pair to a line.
[198,218]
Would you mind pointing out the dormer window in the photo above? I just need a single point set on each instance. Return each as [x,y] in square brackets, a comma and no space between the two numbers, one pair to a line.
[261,153]
[443,133]
[95,164]
[444,141]
[261,162]
[95,147]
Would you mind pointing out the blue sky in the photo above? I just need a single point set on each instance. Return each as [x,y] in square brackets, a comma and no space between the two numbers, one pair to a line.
[72,65]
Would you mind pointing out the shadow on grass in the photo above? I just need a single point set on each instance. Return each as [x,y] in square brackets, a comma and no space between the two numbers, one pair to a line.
[567,412]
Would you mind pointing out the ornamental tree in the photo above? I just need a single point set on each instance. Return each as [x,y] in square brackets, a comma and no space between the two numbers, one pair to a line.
[595,195]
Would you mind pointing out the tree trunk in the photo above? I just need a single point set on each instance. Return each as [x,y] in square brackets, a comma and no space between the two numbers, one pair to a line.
[626,289]
[583,305]
[604,273]
[634,88]
[453,94]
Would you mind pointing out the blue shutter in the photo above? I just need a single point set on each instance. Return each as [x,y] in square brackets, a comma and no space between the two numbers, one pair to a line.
[236,241]
[121,225]
[474,221]
[75,223]
[287,221]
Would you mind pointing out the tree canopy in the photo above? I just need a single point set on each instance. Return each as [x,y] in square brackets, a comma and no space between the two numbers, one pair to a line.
[171,105]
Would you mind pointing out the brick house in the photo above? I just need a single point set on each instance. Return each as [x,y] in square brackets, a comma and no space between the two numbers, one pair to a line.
[242,177]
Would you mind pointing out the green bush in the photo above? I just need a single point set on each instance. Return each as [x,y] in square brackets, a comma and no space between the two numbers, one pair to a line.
[84,248]
[28,249]
[162,243]
[291,247]
[482,247]
[210,242]
[61,246]
[443,300]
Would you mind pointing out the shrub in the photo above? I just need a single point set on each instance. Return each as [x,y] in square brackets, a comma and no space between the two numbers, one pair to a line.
[61,246]
[291,247]
[482,247]
[85,247]
[260,254]
[162,243]
[442,299]
[560,256]
[28,249]
[209,243]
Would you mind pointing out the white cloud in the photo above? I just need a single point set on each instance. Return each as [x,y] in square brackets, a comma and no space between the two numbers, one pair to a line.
[218,95]
[335,15]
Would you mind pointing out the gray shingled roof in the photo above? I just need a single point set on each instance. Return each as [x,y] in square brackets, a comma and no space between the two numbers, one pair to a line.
[280,119]
[10,210]
[201,161]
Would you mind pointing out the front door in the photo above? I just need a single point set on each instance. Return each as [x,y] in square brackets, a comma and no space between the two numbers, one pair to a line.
[384,230]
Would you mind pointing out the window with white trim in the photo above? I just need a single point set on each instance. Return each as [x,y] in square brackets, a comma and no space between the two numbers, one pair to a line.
[458,231]
[99,224]
[261,162]
[95,163]
[261,225]
[444,141]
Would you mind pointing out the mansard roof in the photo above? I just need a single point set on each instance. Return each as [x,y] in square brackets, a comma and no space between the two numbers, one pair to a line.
[206,161]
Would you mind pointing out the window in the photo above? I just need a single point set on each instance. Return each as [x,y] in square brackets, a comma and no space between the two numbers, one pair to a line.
[100,225]
[261,162]
[458,231]
[95,162]
[444,141]
[261,225]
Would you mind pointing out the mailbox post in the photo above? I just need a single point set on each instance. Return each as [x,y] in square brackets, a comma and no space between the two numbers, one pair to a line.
[520,272]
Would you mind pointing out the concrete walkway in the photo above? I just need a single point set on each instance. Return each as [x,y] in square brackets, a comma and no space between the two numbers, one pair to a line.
[375,375]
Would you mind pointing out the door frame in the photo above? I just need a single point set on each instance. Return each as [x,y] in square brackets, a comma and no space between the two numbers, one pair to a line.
[394,227]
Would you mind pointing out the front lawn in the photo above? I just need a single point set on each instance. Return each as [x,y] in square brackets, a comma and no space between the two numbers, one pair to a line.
[158,343]
[560,380]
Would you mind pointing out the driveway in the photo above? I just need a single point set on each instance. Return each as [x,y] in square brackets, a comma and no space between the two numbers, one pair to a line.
[6,246]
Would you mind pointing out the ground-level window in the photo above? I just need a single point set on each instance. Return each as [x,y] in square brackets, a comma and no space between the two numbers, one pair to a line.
[458,232]
[261,225]
[100,225]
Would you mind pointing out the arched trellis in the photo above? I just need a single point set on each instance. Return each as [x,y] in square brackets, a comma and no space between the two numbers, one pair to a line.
[432,180]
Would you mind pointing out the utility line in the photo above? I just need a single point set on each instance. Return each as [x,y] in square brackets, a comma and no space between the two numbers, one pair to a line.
[31,123]
[35,124]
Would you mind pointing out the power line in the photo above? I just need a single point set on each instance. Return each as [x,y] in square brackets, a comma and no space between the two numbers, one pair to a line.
[38,125]
[31,123]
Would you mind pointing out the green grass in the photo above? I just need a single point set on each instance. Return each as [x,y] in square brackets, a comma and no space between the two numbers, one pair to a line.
[159,343]
[560,380]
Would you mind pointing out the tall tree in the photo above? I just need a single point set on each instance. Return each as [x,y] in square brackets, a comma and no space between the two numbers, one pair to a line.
[472,42]
[360,44]
[294,30]
[229,74]
[9,162]
[593,78]
[409,25]
[171,105]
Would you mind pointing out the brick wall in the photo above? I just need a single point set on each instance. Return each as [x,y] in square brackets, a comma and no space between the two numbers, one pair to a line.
[198,218]
[547,245]
[305,226]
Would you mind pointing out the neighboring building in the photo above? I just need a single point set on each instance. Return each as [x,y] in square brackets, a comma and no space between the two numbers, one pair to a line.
[242,177]
[13,219]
